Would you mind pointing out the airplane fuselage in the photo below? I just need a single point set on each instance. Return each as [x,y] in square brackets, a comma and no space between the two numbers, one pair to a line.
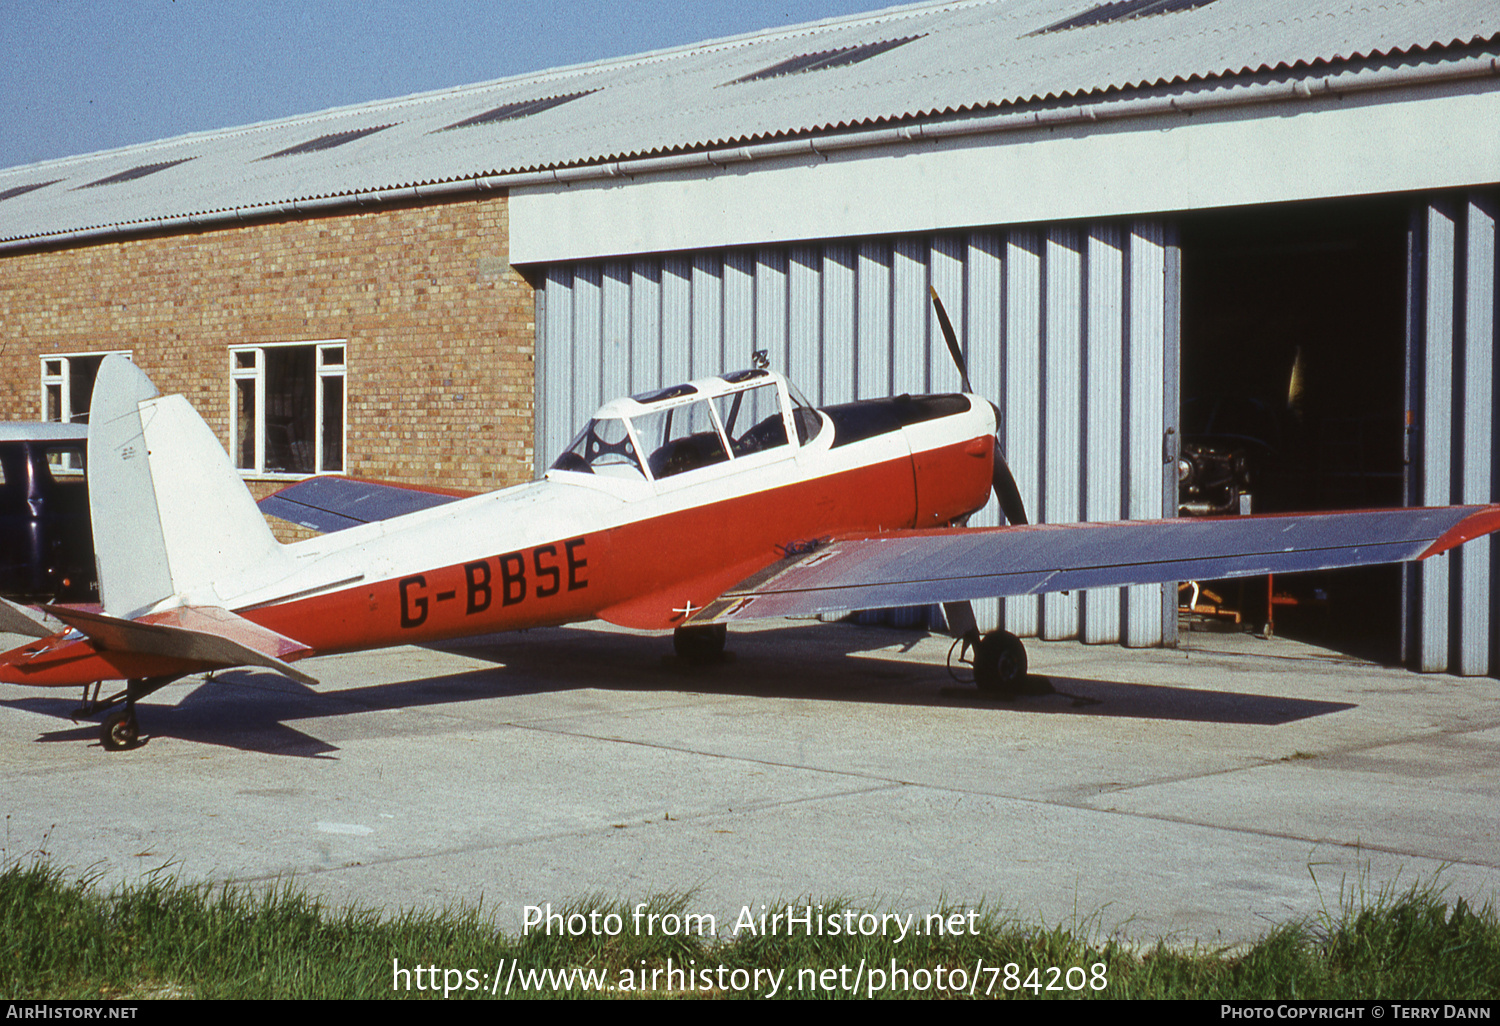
[638,551]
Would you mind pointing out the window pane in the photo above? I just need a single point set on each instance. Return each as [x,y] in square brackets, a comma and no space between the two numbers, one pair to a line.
[602,448]
[333,423]
[82,370]
[244,424]
[808,422]
[680,439]
[752,420]
[291,375]
[65,460]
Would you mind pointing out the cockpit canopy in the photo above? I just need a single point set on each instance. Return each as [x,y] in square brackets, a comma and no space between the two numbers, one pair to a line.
[690,426]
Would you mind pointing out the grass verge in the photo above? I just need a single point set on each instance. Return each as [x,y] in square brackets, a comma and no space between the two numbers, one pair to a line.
[64,939]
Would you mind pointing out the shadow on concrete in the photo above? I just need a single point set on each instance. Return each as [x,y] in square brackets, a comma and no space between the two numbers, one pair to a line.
[251,710]
[1162,702]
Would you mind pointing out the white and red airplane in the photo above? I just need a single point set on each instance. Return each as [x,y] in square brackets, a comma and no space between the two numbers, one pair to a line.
[710,502]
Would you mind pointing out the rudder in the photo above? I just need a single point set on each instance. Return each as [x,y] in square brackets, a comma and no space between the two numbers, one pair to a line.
[171,515]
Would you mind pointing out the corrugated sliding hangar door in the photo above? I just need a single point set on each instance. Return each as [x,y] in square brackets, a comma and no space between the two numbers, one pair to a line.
[1070,329]
[1293,379]
[1327,355]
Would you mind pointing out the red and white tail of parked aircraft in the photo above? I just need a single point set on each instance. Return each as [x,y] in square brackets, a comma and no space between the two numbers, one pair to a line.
[709,502]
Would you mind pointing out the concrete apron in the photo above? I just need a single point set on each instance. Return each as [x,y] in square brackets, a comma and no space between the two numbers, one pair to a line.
[1193,795]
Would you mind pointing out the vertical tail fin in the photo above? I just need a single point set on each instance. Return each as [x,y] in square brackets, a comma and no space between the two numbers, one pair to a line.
[171,514]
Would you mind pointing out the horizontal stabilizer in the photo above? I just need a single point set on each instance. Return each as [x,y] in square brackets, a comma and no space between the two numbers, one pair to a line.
[902,568]
[214,637]
[26,620]
[331,504]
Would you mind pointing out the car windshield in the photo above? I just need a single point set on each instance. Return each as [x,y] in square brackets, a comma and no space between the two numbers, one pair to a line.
[66,460]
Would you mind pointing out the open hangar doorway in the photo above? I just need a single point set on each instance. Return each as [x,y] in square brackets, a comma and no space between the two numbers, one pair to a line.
[1293,383]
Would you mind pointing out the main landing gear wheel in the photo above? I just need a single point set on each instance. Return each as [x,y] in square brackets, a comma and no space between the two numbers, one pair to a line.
[700,644]
[120,731]
[1000,665]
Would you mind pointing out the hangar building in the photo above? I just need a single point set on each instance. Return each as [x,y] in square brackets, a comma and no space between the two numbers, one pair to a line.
[1270,221]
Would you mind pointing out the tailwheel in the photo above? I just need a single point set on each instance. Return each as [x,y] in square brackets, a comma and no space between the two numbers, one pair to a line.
[700,643]
[1000,665]
[120,731]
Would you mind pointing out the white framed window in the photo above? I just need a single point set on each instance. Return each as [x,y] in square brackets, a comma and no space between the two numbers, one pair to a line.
[287,408]
[68,384]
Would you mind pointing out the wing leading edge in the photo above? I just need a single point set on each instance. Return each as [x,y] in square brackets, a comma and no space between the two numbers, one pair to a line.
[901,568]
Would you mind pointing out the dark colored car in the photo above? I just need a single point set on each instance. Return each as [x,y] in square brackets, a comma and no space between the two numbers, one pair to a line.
[46,542]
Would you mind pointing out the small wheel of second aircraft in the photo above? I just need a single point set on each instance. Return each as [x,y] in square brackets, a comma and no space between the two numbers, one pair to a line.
[701,643]
[119,731]
[1000,664]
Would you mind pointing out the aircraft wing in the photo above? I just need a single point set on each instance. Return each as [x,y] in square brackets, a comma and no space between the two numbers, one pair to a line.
[331,504]
[902,568]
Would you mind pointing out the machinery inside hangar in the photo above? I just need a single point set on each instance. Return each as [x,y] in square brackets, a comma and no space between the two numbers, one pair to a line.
[1294,325]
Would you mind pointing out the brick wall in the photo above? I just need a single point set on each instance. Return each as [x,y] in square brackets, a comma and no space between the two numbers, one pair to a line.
[438,328]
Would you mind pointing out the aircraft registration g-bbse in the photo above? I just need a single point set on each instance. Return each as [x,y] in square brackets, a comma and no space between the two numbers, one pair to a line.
[698,505]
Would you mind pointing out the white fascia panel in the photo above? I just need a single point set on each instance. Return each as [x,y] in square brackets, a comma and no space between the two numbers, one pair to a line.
[1433,138]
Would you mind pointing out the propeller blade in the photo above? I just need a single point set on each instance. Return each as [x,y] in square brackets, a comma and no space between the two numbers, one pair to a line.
[1003,482]
[951,338]
[1006,492]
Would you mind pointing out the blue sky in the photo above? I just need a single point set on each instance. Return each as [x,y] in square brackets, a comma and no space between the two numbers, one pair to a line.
[86,75]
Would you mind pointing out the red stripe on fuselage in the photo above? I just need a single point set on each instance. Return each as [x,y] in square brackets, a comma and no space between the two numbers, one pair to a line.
[643,570]
[579,578]
[689,556]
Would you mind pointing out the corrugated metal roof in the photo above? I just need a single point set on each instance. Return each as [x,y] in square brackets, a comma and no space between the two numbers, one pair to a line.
[968,55]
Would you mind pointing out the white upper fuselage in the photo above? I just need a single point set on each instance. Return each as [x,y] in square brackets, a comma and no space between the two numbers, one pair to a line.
[644,460]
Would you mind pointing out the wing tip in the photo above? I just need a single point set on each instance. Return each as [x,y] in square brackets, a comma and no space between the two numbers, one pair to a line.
[1484,520]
